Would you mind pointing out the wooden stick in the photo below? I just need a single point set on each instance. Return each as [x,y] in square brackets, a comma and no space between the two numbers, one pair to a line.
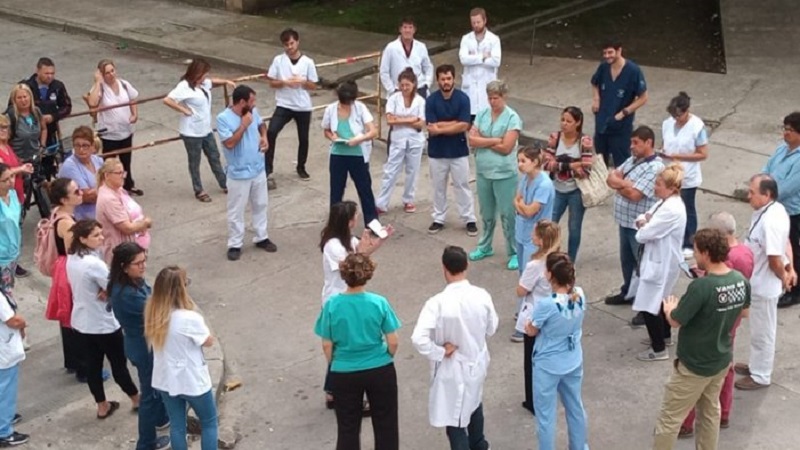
[120,105]
[349,60]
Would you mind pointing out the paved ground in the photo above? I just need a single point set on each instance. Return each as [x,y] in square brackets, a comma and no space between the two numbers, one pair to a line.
[263,307]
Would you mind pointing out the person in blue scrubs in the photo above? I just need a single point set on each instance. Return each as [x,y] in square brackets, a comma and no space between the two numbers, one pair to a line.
[619,89]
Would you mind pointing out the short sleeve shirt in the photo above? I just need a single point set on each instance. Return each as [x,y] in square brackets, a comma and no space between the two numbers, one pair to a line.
[10,232]
[707,313]
[85,179]
[332,254]
[179,368]
[117,121]
[534,281]
[245,160]
[198,100]
[768,236]
[616,95]
[11,349]
[488,163]
[439,109]
[557,349]
[356,324]
[540,190]
[88,275]
[643,173]
[283,68]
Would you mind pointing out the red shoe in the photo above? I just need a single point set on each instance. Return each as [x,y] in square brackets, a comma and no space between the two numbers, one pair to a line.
[380,211]
[409,208]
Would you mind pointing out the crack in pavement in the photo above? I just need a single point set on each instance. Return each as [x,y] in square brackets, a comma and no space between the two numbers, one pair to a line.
[734,110]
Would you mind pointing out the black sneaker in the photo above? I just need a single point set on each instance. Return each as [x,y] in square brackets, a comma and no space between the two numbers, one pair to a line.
[638,320]
[267,246]
[14,439]
[20,272]
[435,228]
[271,185]
[17,419]
[788,299]
[618,299]
[301,172]
[472,229]
[234,254]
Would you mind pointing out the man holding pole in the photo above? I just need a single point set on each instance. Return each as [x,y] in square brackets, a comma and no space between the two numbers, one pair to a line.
[292,74]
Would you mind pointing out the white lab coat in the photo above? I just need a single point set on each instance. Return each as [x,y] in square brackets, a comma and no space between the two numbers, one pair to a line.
[394,61]
[464,316]
[659,268]
[477,71]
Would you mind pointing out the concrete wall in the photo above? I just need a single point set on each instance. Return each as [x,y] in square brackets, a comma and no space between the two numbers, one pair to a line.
[243,6]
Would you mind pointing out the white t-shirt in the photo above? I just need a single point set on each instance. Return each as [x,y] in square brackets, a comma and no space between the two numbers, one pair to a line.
[684,141]
[535,282]
[199,101]
[117,120]
[179,368]
[296,99]
[332,254]
[768,236]
[396,106]
[87,275]
[11,351]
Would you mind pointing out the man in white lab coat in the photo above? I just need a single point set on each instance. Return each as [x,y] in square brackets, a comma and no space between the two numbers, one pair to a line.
[480,55]
[405,51]
[451,332]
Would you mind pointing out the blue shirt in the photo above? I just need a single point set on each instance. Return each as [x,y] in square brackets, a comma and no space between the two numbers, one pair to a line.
[128,303]
[85,179]
[784,167]
[439,109]
[356,324]
[541,190]
[245,160]
[616,95]
[10,233]
[557,349]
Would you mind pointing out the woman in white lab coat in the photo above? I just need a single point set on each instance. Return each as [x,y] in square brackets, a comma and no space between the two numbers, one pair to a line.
[660,231]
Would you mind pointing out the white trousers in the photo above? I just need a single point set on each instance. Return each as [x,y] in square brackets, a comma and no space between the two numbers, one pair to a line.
[400,153]
[458,169]
[240,193]
[763,328]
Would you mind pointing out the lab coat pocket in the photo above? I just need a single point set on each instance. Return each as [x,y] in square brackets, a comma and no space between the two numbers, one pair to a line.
[652,270]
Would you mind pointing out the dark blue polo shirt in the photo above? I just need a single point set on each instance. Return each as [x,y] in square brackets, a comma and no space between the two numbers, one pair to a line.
[437,109]
[616,95]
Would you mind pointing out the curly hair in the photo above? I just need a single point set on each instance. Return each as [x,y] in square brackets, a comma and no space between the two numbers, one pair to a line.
[712,242]
[357,269]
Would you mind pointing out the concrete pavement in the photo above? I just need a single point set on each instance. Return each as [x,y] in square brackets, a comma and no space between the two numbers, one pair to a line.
[263,307]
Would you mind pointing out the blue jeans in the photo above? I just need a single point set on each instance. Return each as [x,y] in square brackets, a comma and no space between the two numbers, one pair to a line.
[574,202]
[470,438]
[206,410]
[568,388]
[151,409]
[688,196]
[195,147]
[9,383]
[628,257]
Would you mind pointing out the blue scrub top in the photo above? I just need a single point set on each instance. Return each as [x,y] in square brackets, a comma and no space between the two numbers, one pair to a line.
[616,95]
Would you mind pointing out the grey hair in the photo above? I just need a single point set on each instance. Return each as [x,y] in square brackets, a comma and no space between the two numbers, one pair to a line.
[497,87]
[723,221]
[766,185]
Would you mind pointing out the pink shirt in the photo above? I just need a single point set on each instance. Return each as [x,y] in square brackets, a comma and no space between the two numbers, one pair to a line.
[115,207]
[740,258]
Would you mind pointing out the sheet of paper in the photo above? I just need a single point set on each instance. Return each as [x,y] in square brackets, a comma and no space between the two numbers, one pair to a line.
[525,314]
[378,229]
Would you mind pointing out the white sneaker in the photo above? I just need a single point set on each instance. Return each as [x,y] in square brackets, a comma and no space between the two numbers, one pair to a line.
[668,342]
[650,355]
[688,253]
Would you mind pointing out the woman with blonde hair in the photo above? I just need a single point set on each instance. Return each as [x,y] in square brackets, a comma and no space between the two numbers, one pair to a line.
[110,90]
[28,130]
[122,218]
[660,231]
[177,334]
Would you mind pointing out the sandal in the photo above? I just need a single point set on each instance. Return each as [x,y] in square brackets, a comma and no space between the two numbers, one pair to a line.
[203,197]
[112,406]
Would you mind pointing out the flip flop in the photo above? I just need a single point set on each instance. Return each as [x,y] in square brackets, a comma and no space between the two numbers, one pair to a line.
[112,406]
[203,197]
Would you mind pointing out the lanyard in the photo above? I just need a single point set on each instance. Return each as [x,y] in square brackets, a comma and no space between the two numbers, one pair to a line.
[758,219]
[644,161]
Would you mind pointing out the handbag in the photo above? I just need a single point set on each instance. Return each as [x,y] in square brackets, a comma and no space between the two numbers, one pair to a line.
[594,190]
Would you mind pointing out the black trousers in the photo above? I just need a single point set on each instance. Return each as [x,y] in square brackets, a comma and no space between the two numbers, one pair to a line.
[528,365]
[794,238]
[380,385]
[340,166]
[73,352]
[658,329]
[124,158]
[97,347]
[279,119]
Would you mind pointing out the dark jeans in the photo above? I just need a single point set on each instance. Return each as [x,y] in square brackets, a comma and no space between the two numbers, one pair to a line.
[688,196]
[111,346]
[279,119]
[573,202]
[616,147]
[528,367]
[380,385]
[658,329]
[628,257]
[151,409]
[195,147]
[470,438]
[124,158]
[340,166]
[794,239]
[73,352]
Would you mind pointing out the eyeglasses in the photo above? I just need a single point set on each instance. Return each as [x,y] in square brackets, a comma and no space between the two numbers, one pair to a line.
[119,172]
[139,264]
[789,129]
[82,146]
